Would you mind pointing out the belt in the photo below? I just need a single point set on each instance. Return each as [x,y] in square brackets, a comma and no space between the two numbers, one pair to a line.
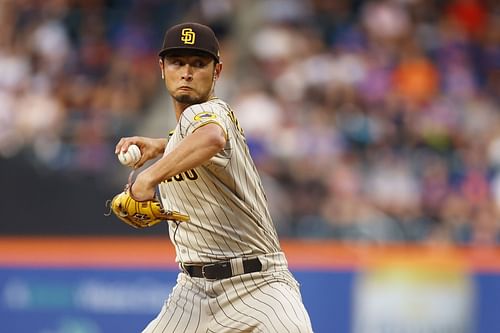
[221,270]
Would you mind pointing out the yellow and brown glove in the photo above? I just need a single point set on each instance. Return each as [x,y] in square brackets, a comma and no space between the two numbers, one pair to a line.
[142,214]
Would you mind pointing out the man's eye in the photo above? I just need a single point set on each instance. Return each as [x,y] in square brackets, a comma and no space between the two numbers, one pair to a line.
[175,62]
[199,64]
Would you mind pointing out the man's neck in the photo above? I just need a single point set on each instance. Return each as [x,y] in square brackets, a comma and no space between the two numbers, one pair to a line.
[180,107]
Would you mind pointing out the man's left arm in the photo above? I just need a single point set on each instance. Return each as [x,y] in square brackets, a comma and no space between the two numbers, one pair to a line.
[194,150]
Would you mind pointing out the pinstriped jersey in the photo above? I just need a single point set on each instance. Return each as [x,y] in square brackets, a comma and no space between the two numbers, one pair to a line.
[224,197]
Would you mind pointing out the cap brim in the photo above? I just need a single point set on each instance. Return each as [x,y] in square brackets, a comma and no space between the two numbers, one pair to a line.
[164,52]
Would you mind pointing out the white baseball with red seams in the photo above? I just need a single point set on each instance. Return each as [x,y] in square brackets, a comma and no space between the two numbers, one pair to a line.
[131,156]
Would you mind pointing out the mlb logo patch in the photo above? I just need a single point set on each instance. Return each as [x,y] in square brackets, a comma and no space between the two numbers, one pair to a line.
[205,116]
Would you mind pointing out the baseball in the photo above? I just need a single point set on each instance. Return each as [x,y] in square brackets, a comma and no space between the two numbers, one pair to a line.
[131,156]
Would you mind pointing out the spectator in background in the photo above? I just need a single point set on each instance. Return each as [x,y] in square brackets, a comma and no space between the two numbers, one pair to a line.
[368,120]
[66,81]
[399,88]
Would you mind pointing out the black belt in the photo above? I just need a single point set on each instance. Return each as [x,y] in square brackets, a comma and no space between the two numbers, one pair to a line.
[221,270]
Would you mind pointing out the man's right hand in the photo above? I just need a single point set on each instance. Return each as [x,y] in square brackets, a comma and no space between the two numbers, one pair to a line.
[150,148]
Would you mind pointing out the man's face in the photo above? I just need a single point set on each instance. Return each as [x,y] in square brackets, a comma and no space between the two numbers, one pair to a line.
[189,78]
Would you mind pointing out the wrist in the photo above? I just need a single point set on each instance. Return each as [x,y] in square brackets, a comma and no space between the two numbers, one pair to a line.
[143,188]
[160,145]
[147,180]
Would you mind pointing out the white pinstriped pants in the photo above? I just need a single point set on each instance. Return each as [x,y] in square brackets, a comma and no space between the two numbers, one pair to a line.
[260,302]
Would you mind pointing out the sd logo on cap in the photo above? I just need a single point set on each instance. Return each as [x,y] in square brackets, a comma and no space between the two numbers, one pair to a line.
[188,36]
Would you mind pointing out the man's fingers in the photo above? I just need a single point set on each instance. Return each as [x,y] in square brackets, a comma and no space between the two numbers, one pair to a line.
[138,164]
[122,145]
[118,146]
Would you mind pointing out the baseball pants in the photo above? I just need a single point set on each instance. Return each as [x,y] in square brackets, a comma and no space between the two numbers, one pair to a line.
[259,302]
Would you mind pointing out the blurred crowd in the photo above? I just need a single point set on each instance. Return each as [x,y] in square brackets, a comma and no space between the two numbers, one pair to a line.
[380,119]
[74,76]
[370,121]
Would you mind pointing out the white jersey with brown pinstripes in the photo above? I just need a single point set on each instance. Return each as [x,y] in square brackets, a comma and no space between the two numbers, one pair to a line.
[224,197]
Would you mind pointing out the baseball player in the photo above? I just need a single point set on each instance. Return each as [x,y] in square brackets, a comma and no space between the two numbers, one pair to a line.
[234,276]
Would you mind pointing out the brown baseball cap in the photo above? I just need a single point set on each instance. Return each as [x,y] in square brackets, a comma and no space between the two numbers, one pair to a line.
[191,36]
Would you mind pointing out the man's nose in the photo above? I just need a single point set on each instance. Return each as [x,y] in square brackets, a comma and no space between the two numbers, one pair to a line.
[187,73]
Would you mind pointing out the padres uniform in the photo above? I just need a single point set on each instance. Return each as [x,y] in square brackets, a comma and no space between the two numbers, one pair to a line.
[230,226]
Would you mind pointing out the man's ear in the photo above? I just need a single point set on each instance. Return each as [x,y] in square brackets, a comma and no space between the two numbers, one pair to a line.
[162,68]
[217,70]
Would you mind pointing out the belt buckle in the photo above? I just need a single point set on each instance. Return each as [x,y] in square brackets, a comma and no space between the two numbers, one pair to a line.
[203,271]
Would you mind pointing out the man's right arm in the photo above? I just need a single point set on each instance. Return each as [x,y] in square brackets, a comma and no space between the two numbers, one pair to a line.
[191,152]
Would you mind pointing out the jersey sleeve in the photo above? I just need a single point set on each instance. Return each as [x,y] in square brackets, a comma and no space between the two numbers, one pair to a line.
[200,115]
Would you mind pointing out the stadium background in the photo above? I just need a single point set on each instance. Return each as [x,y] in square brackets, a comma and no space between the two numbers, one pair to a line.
[374,125]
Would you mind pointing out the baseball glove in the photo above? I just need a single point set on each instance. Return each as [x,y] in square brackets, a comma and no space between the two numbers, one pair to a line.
[142,214]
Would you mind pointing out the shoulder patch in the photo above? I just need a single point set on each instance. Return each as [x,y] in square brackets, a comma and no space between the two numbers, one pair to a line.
[205,116]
